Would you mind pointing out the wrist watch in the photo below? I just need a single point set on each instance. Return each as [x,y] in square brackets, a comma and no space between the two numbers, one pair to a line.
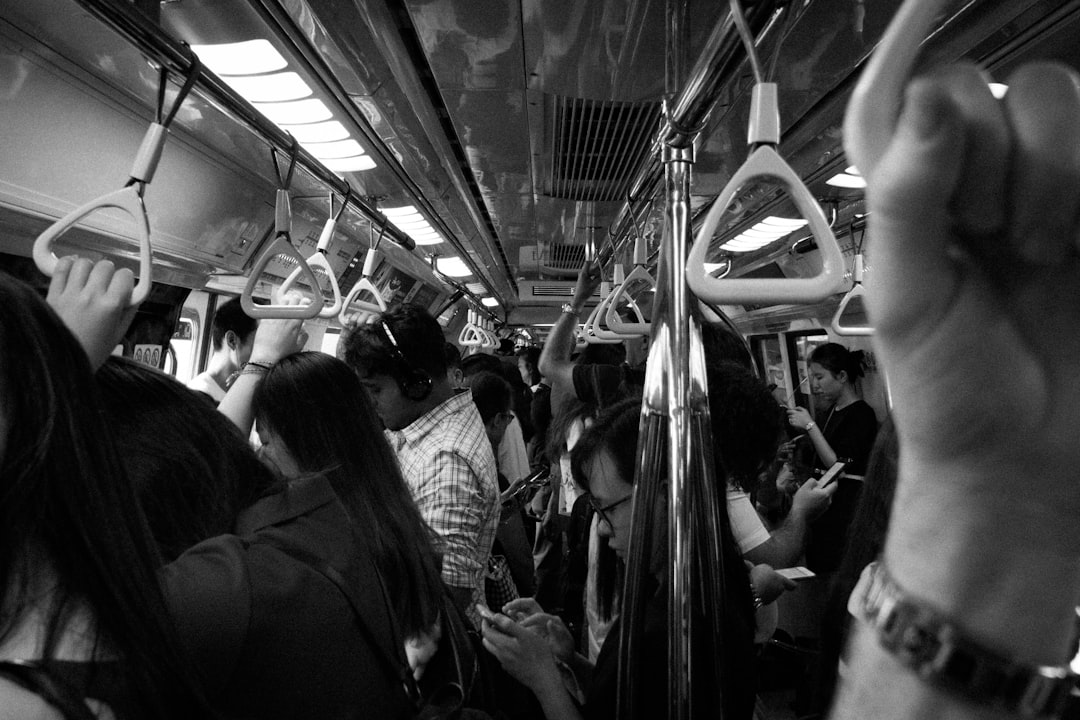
[938,650]
[568,308]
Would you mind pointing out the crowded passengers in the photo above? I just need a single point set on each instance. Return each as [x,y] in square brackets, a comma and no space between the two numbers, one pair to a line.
[163,568]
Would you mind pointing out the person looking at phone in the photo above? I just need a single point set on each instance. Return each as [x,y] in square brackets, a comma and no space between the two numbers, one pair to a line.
[844,431]
[604,459]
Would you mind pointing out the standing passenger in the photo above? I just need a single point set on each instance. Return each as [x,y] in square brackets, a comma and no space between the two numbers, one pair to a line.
[233,335]
[444,453]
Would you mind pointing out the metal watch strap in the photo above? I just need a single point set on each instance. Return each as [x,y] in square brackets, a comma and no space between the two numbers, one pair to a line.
[938,651]
[568,308]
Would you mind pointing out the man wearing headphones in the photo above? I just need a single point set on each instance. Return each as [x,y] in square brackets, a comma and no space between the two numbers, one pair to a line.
[439,439]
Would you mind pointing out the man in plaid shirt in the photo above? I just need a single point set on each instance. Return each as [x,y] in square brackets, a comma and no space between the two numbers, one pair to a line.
[439,439]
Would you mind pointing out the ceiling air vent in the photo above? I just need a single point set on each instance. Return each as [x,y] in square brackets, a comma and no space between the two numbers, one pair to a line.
[595,147]
[561,259]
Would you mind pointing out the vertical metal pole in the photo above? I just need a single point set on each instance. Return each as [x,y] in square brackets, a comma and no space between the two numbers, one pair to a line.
[677,162]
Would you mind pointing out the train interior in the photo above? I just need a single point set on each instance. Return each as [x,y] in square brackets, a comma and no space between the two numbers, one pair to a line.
[473,155]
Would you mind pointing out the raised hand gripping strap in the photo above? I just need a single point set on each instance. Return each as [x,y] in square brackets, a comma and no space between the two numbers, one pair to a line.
[765,162]
[280,246]
[875,104]
[856,291]
[129,199]
[366,310]
[318,260]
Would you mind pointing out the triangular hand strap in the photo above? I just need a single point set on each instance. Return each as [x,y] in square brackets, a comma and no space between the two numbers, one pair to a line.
[281,246]
[127,199]
[765,162]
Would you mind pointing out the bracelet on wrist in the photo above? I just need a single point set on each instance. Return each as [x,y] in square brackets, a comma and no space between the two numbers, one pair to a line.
[810,424]
[758,602]
[255,368]
[570,309]
[941,653]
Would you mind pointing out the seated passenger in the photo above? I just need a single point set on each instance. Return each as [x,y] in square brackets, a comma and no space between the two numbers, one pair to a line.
[84,630]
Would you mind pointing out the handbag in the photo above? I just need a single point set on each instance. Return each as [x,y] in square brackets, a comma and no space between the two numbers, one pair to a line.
[499,587]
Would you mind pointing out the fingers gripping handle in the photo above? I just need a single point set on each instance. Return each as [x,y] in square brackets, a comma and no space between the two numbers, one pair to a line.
[280,246]
[765,162]
[875,105]
[127,199]
[318,260]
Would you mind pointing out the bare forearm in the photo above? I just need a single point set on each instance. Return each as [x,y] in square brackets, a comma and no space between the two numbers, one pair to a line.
[556,352]
[821,445]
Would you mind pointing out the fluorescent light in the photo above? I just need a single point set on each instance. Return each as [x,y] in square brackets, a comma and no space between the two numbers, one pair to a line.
[317,132]
[843,180]
[411,224]
[453,267]
[489,302]
[295,112]
[399,211]
[476,288]
[779,222]
[335,150]
[349,164]
[250,57]
[270,88]
[427,239]
[999,89]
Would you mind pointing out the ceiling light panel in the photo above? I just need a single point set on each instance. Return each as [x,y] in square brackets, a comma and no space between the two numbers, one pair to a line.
[453,267]
[250,57]
[317,132]
[297,112]
[277,87]
[489,302]
[352,164]
[335,150]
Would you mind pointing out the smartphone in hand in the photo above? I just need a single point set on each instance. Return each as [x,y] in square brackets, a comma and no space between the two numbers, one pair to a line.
[831,475]
[796,573]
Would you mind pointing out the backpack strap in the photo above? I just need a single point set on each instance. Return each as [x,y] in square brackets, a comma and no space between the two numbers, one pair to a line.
[31,676]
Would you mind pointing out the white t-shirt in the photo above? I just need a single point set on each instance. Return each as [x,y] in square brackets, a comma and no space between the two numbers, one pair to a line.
[746,524]
[512,459]
[205,383]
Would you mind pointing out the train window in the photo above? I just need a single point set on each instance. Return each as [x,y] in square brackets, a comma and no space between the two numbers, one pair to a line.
[800,345]
[769,354]
[183,346]
[330,341]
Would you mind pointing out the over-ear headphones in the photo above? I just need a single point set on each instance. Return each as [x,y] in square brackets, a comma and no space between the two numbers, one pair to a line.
[415,384]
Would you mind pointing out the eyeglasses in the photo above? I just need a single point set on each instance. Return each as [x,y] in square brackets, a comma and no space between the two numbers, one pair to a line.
[603,511]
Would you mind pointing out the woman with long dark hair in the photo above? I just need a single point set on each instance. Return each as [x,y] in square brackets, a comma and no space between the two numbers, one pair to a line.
[83,624]
[313,417]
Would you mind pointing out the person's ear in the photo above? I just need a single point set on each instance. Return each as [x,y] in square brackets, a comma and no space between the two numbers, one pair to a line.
[231,340]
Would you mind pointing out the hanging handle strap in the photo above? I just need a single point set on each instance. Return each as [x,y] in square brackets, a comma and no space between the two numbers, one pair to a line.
[470,334]
[321,260]
[874,109]
[129,199]
[857,291]
[366,311]
[637,276]
[765,162]
[282,246]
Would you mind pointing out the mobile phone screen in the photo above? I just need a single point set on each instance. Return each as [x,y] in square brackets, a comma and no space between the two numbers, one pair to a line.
[831,474]
[796,573]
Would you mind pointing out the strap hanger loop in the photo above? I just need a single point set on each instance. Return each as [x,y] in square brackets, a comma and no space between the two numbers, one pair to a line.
[128,199]
[282,245]
[366,311]
[765,162]
[321,258]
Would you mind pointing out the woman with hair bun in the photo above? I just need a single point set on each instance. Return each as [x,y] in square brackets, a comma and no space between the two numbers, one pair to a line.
[843,431]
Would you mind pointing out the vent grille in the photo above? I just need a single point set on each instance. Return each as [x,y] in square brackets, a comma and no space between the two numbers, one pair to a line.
[562,258]
[596,146]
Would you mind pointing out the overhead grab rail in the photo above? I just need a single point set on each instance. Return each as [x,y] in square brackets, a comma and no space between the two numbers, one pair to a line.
[320,259]
[765,162]
[597,333]
[282,245]
[640,274]
[129,198]
[366,311]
